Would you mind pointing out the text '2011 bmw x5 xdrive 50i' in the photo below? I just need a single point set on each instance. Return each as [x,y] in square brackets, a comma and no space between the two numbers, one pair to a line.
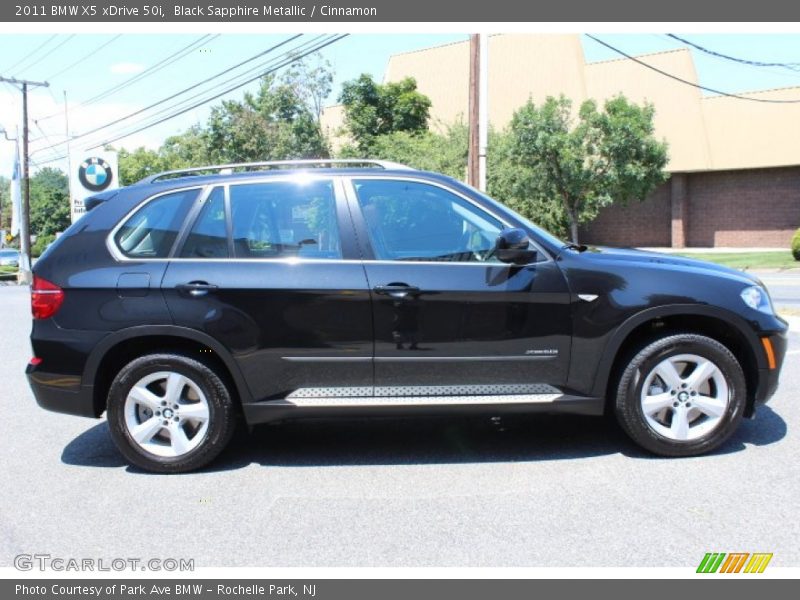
[281,290]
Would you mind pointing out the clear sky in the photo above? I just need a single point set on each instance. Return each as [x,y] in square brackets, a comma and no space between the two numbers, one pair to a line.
[86,65]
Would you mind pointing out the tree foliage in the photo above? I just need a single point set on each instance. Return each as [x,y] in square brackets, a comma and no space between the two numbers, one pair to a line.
[50,205]
[278,121]
[429,151]
[567,168]
[5,203]
[372,109]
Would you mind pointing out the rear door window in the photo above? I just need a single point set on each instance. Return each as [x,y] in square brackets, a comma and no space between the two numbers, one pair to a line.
[285,219]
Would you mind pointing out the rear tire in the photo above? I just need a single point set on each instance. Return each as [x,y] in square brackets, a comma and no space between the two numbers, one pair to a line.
[169,413]
[682,395]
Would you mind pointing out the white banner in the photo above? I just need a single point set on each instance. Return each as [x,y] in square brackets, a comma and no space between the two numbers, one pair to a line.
[92,173]
[16,194]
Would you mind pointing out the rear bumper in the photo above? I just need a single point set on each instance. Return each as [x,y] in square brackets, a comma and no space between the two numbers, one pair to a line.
[61,393]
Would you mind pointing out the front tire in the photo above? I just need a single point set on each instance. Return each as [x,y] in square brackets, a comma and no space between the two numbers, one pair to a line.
[681,395]
[168,413]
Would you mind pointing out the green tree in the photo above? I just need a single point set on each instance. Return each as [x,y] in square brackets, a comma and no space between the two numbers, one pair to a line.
[5,203]
[138,164]
[429,151]
[575,166]
[372,109]
[49,202]
[277,122]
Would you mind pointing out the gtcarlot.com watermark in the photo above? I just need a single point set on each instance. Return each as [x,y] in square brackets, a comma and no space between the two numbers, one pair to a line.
[48,562]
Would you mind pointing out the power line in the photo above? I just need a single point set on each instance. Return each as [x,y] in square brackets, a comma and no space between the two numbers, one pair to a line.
[163,63]
[691,83]
[29,54]
[290,58]
[185,90]
[83,58]
[188,89]
[755,63]
[49,52]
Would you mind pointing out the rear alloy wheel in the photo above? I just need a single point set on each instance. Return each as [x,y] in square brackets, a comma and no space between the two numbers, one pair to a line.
[168,413]
[681,395]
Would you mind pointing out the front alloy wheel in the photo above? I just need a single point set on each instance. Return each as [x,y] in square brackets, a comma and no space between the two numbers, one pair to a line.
[684,397]
[681,395]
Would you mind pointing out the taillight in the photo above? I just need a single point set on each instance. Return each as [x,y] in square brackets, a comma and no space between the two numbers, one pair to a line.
[46,298]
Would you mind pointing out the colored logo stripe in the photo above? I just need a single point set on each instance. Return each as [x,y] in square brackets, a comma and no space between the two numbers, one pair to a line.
[758,563]
[734,562]
[713,562]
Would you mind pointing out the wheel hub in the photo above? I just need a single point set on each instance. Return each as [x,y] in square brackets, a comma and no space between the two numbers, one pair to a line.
[168,413]
[682,397]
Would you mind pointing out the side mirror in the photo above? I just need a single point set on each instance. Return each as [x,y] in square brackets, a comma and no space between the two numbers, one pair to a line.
[514,246]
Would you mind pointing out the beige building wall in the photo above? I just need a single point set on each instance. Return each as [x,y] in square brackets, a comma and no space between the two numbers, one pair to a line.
[745,134]
[703,133]
[679,113]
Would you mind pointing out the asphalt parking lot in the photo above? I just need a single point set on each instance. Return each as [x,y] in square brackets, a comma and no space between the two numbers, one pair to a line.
[523,491]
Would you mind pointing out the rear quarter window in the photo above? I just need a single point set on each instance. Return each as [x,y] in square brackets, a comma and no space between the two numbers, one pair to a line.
[152,230]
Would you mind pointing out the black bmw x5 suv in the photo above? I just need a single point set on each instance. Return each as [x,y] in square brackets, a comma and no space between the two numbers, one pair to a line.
[275,291]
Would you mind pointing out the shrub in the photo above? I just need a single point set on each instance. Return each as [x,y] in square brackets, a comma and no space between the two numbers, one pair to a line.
[41,244]
[796,245]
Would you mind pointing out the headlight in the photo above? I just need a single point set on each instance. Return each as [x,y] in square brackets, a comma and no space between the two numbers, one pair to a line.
[757,297]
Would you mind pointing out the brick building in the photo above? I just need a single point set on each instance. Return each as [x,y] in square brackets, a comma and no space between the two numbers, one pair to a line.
[734,164]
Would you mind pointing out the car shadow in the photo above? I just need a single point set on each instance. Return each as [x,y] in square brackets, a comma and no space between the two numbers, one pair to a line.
[422,440]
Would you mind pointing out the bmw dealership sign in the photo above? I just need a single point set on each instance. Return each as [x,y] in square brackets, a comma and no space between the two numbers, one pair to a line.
[92,173]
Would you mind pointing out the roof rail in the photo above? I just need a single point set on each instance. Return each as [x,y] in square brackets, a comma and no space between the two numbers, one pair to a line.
[277,164]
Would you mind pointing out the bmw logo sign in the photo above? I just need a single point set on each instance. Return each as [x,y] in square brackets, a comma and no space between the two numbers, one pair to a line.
[95,174]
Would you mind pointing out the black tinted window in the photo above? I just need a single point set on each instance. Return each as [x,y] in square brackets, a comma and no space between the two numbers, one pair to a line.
[209,237]
[285,218]
[151,231]
[408,220]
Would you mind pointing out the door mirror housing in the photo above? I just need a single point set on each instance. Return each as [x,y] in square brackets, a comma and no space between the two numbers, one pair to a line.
[514,246]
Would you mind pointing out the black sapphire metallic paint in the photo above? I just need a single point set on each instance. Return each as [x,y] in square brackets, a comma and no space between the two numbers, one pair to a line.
[273,327]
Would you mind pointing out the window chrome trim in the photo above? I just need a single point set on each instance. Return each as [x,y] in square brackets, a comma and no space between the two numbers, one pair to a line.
[346,181]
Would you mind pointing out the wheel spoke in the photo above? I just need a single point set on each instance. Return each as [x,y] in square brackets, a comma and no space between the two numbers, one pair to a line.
[655,403]
[175,384]
[141,395]
[145,431]
[667,372]
[197,411]
[179,441]
[713,407]
[680,424]
[701,373]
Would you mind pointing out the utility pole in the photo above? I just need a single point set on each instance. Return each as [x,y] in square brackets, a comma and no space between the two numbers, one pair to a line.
[478,110]
[473,174]
[25,232]
[69,160]
[483,108]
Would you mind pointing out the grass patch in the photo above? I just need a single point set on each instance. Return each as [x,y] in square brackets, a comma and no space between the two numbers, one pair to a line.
[749,260]
[5,270]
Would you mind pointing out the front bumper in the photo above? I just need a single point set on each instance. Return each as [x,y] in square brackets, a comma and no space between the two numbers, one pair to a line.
[61,393]
[768,378]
